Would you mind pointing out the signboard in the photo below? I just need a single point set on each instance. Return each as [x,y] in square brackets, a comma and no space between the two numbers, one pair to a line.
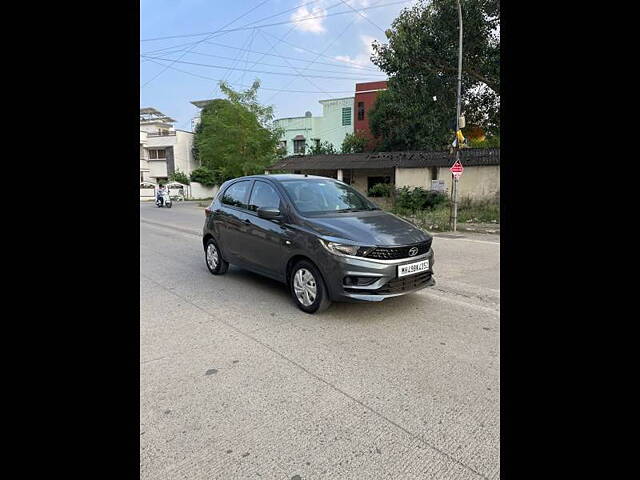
[457,169]
[438,185]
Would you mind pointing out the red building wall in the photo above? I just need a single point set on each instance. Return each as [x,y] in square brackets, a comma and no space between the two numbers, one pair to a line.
[366,93]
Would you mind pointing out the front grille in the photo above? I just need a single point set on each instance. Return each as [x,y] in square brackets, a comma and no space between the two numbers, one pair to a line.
[404,284]
[395,253]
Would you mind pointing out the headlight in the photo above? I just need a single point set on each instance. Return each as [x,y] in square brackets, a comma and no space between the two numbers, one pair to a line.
[340,248]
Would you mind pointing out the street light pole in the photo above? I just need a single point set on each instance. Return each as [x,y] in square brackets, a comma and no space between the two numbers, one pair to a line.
[455,177]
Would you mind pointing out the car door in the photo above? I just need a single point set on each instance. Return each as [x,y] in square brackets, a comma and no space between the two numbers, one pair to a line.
[266,240]
[234,221]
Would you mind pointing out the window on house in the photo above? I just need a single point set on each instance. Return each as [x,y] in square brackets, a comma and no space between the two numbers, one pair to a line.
[360,110]
[157,154]
[346,116]
[298,146]
[434,173]
[282,145]
[371,181]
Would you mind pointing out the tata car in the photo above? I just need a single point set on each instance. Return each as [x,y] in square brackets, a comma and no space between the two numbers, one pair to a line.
[319,236]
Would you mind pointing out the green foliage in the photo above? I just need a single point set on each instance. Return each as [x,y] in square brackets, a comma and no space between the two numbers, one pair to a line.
[322,148]
[235,136]
[381,190]
[418,198]
[204,176]
[179,176]
[354,143]
[489,142]
[421,60]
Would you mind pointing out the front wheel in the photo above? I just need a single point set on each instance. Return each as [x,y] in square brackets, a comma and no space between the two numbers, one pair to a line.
[168,205]
[308,289]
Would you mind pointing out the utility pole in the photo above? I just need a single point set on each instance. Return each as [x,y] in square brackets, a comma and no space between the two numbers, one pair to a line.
[454,219]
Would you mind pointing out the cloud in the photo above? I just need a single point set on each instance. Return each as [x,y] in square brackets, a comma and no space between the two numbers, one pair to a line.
[315,25]
[363,58]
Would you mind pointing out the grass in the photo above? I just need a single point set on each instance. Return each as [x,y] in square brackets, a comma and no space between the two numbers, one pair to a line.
[469,211]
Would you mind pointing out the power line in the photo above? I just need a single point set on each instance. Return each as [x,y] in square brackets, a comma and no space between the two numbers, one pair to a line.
[363,16]
[206,38]
[247,86]
[298,71]
[274,65]
[349,65]
[249,70]
[318,56]
[270,24]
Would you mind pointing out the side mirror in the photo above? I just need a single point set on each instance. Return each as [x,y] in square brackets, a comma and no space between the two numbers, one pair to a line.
[268,213]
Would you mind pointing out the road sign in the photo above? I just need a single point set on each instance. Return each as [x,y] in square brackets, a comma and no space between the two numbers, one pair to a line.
[457,169]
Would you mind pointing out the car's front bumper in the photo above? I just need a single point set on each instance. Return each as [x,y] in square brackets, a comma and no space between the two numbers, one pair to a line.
[387,284]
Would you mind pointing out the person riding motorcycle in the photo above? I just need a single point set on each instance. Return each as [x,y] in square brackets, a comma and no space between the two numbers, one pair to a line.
[160,196]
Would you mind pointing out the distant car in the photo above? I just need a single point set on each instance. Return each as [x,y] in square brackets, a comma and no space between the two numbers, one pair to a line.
[319,236]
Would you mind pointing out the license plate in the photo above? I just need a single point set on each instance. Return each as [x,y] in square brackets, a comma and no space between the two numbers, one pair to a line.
[411,268]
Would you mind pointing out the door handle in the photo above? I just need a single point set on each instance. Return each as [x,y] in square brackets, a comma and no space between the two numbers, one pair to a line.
[247,221]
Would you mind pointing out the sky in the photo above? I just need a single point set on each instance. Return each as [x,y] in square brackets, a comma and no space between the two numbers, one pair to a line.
[299,62]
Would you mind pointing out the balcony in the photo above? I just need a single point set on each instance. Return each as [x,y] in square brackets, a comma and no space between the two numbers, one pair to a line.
[162,134]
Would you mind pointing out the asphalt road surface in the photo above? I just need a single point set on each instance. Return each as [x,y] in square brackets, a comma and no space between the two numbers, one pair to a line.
[236,382]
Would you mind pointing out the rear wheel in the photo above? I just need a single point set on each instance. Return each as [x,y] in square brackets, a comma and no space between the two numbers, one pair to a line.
[308,289]
[215,263]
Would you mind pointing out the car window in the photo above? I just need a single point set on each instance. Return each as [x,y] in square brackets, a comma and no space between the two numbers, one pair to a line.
[263,196]
[320,196]
[236,194]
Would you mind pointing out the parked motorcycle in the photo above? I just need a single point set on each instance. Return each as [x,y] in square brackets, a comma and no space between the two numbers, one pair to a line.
[164,200]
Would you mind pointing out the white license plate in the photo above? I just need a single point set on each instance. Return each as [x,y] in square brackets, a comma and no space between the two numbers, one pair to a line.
[411,268]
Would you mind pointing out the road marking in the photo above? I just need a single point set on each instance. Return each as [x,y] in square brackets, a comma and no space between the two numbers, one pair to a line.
[467,240]
[446,297]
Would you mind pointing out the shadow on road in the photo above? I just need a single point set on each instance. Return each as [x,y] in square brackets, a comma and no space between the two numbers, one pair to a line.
[367,312]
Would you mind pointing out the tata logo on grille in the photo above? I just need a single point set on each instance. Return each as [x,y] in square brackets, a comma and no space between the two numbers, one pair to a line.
[413,251]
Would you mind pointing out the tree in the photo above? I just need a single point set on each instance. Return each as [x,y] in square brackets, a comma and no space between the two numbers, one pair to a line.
[179,176]
[354,143]
[235,136]
[417,110]
[204,176]
[322,148]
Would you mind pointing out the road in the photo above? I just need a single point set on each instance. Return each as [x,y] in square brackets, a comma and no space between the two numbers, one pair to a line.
[236,382]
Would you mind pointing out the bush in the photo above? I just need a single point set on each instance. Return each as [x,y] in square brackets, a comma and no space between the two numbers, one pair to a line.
[179,176]
[381,190]
[204,176]
[354,143]
[418,198]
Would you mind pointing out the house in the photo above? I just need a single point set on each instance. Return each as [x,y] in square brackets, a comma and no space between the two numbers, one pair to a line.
[163,149]
[301,133]
[480,180]
[364,100]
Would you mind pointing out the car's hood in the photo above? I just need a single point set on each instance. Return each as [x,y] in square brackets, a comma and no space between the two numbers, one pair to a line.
[369,228]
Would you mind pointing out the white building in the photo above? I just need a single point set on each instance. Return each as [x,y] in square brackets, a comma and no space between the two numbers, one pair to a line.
[163,149]
[301,133]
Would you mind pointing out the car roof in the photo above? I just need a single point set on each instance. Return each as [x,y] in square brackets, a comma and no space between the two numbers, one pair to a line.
[279,177]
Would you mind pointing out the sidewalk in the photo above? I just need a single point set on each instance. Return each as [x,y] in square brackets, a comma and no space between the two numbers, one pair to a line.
[479,227]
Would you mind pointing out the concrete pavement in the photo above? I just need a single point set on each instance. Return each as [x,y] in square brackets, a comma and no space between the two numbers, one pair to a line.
[236,382]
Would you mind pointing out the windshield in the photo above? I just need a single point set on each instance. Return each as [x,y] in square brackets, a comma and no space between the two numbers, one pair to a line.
[319,195]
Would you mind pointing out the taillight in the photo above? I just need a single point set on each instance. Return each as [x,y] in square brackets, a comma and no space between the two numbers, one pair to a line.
[207,212]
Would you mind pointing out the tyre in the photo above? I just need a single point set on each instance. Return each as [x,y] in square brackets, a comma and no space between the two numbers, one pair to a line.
[212,257]
[308,288]
[168,205]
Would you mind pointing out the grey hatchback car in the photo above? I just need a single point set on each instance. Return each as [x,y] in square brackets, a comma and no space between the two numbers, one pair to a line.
[319,236]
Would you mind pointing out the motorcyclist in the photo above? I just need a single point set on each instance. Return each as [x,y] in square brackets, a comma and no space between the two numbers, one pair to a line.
[160,197]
